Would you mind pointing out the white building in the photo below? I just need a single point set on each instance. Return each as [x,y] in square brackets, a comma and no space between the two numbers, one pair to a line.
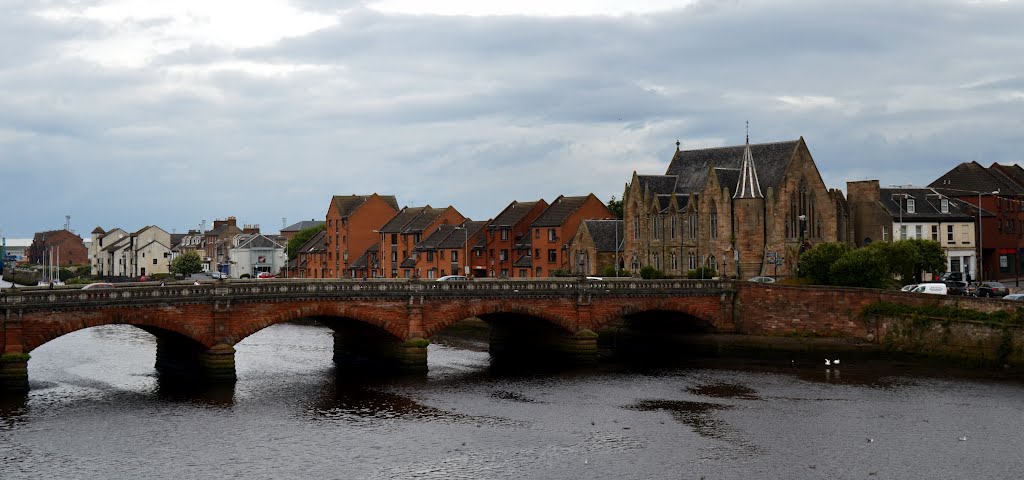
[253,254]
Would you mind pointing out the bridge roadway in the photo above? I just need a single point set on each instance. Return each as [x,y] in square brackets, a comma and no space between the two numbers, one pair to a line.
[388,323]
[375,322]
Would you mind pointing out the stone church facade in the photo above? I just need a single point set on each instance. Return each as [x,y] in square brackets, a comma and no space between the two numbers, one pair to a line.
[742,211]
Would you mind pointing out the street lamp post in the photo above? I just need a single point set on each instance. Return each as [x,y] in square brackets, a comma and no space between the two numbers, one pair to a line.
[799,248]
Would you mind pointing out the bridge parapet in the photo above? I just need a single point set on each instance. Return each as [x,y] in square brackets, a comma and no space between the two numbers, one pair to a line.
[32,298]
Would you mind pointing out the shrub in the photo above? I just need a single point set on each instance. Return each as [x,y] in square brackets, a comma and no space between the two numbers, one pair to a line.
[650,272]
[702,272]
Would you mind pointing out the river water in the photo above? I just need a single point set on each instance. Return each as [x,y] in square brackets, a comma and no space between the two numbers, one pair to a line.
[97,410]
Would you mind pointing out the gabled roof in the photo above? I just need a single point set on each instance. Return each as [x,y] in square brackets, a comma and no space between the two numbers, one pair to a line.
[434,239]
[770,160]
[606,233]
[259,241]
[513,214]
[316,243]
[346,205]
[1014,172]
[176,239]
[457,237]
[423,220]
[98,230]
[927,205]
[969,177]
[362,262]
[300,226]
[558,211]
[409,262]
[401,219]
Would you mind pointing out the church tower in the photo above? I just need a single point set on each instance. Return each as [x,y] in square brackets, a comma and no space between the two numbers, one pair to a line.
[748,220]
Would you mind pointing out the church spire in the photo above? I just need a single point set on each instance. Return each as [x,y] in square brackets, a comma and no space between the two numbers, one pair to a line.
[748,186]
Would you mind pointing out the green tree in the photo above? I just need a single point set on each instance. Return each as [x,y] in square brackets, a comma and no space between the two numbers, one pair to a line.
[302,237]
[816,263]
[615,206]
[702,272]
[650,272]
[186,264]
[863,267]
[930,258]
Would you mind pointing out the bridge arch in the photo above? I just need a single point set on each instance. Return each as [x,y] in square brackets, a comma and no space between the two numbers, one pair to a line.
[436,320]
[159,324]
[381,317]
[699,311]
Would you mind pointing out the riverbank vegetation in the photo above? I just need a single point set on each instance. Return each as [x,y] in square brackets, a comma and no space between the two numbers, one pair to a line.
[879,265]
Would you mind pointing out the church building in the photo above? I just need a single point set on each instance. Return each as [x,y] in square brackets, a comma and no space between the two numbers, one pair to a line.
[741,211]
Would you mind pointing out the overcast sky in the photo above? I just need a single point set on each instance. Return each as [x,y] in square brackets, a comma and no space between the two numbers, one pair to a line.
[126,113]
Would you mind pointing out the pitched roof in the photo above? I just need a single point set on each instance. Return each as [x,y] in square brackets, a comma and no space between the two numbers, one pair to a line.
[1014,172]
[728,177]
[259,241]
[970,177]
[927,205]
[98,230]
[513,214]
[346,205]
[423,220]
[657,184]
[457,237]
[364,259]
[606,233]
[525,261]
[316,243]
[770,160]
[399,221]
[300,226]
[558,211]
[433,240]
[176,239]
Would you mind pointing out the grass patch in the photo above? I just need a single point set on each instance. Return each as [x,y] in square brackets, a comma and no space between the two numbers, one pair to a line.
[928,314]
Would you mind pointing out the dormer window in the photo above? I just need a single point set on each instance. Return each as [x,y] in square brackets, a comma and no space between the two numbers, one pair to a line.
[945,205]
[911,208]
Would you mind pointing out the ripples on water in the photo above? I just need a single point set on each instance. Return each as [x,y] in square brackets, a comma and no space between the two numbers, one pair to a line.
[97,410]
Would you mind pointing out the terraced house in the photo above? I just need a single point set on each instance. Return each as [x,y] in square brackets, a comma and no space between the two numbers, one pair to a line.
[742,211]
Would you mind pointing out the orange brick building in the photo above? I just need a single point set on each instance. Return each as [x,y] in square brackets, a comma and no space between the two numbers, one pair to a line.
[509,229]
[448,249]
[351,224]
[400,235]
[554,229]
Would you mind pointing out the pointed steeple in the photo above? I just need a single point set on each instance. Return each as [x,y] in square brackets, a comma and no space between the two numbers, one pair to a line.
[748,186]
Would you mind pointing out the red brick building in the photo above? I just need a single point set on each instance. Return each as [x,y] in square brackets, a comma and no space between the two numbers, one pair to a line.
[553,230]
[310,259]
[508,240]
[1000,188]
[351,224]
[57,246]
[400,235]
[448,250]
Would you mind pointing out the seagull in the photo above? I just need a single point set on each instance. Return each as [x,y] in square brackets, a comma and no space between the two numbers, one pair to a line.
[963,439]
[870,440]
[835,362]
[827,362]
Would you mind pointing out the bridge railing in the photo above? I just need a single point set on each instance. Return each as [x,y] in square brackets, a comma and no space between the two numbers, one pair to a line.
[38,297]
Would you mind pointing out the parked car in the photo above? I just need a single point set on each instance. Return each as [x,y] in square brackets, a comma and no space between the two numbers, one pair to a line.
[907,288]
[218,275]
[98,285]
[1014,296]
[453,278]
[265,275]
[933,288]
[957,288]
[992,289]
[763,280]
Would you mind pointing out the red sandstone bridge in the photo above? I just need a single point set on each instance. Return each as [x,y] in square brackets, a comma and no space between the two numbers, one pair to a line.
[389,322]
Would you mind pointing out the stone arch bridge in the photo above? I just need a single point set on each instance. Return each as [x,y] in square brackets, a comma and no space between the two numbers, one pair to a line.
[389,322]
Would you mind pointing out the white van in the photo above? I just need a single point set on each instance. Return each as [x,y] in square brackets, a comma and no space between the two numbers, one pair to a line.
[934,288]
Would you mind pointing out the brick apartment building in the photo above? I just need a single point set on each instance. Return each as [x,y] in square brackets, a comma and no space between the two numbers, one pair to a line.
[554,229]
[352,222]
[507,239]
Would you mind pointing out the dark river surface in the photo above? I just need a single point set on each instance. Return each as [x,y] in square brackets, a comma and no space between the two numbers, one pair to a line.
[96,410]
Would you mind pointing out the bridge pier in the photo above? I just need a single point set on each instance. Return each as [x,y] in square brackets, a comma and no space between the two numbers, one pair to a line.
[362,353]
[182,358]
[14,372]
